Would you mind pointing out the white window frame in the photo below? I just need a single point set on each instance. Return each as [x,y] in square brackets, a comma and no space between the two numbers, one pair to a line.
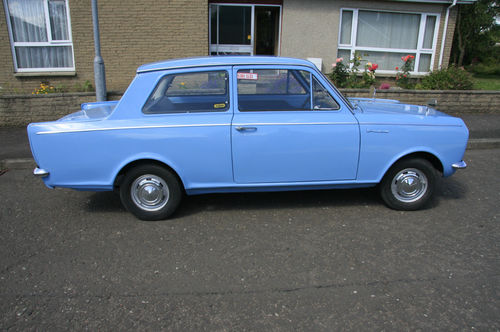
[249,49]
[48,43]
[418,51]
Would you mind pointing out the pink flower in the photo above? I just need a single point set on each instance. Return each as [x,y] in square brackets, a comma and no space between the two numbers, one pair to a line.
[339,60]
[334,65]
[397,68]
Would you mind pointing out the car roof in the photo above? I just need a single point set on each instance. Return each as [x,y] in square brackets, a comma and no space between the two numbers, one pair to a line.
[222,61]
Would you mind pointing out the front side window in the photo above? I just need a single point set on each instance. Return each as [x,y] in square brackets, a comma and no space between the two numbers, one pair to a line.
[40,35]
[281,90]
[322,99]
[385,37]
[190,92]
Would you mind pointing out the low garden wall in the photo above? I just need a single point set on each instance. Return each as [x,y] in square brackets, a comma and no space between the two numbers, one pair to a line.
[19,110]
[454,102]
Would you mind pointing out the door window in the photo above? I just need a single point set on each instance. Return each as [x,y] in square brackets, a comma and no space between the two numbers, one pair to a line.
[281,90]
[273,90]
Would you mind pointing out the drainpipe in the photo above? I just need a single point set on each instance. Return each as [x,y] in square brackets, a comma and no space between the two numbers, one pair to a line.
[99,73]
[443,38]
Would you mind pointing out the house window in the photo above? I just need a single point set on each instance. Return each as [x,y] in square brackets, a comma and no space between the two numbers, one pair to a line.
[384,37]
[40,35]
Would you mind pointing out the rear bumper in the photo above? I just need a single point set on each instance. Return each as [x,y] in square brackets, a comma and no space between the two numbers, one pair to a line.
[459,165]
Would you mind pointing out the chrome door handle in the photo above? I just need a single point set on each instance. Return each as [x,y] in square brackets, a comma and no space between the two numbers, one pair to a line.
[245,128]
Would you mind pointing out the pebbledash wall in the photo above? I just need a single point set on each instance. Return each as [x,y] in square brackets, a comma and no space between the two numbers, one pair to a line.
[19,110]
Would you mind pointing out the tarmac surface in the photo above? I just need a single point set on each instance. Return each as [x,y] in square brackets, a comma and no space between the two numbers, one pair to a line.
[329,260]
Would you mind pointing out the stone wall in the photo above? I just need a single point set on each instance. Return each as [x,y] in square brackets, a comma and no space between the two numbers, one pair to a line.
[451,102]
[19,110]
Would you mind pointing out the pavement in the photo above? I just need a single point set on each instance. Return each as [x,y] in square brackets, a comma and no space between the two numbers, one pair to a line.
[15,151]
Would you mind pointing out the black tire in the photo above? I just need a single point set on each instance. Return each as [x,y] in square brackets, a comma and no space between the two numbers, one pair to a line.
[150,192]
[409,184]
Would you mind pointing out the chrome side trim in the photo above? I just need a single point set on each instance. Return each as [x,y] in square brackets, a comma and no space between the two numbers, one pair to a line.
[407,124]
[381,131]
[129,127]
[192,125]
[292,123]
[40,172]
[459,165]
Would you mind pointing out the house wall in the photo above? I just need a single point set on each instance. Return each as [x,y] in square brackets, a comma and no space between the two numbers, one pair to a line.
[132,33]
[137,32]
[311,28]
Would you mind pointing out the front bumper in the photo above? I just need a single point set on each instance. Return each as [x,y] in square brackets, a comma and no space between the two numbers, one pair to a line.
[40,172]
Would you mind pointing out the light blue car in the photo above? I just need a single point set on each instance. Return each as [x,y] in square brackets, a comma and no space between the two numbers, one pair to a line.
[239,124]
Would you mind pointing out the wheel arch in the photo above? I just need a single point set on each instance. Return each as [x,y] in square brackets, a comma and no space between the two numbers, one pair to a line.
[430,157]
[144,161]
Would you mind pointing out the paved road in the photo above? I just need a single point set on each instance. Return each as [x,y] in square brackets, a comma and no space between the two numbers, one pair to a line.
[319,260]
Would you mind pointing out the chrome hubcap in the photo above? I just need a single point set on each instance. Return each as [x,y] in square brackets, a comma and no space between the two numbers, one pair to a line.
[409,185]
[149,192]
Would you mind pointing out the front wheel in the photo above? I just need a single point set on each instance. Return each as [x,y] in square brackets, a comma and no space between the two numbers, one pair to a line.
[409,184]
[150,192]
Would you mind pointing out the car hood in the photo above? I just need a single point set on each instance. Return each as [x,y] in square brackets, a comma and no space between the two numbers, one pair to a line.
[92,111]
[394,107]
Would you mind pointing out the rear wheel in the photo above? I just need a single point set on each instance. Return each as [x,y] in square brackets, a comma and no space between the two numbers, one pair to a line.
[150,192]
[409,184]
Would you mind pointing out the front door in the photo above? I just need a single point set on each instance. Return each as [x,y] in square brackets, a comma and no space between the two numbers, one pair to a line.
[287,127]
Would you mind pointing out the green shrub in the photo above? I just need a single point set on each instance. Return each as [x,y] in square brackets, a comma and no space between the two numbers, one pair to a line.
[485,69]
[451,78]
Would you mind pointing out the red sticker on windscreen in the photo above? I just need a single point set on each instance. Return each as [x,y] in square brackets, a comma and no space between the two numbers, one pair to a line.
[247,76]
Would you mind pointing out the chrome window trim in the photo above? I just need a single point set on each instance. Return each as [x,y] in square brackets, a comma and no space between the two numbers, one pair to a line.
[220,64]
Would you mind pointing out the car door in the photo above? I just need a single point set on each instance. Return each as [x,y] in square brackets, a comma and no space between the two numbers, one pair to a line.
[287,127]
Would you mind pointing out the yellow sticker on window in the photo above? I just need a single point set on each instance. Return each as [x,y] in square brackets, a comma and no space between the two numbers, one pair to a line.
[219,105]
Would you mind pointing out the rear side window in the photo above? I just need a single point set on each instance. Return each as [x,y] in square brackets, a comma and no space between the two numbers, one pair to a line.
[190,92]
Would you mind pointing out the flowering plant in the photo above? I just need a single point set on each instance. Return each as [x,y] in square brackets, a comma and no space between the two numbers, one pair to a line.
[340,73]
[44,89]
[369,75]
[348,76]
[403,76]
[371,67]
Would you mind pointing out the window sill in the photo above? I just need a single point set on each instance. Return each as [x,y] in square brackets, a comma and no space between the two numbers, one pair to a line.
[45,73]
